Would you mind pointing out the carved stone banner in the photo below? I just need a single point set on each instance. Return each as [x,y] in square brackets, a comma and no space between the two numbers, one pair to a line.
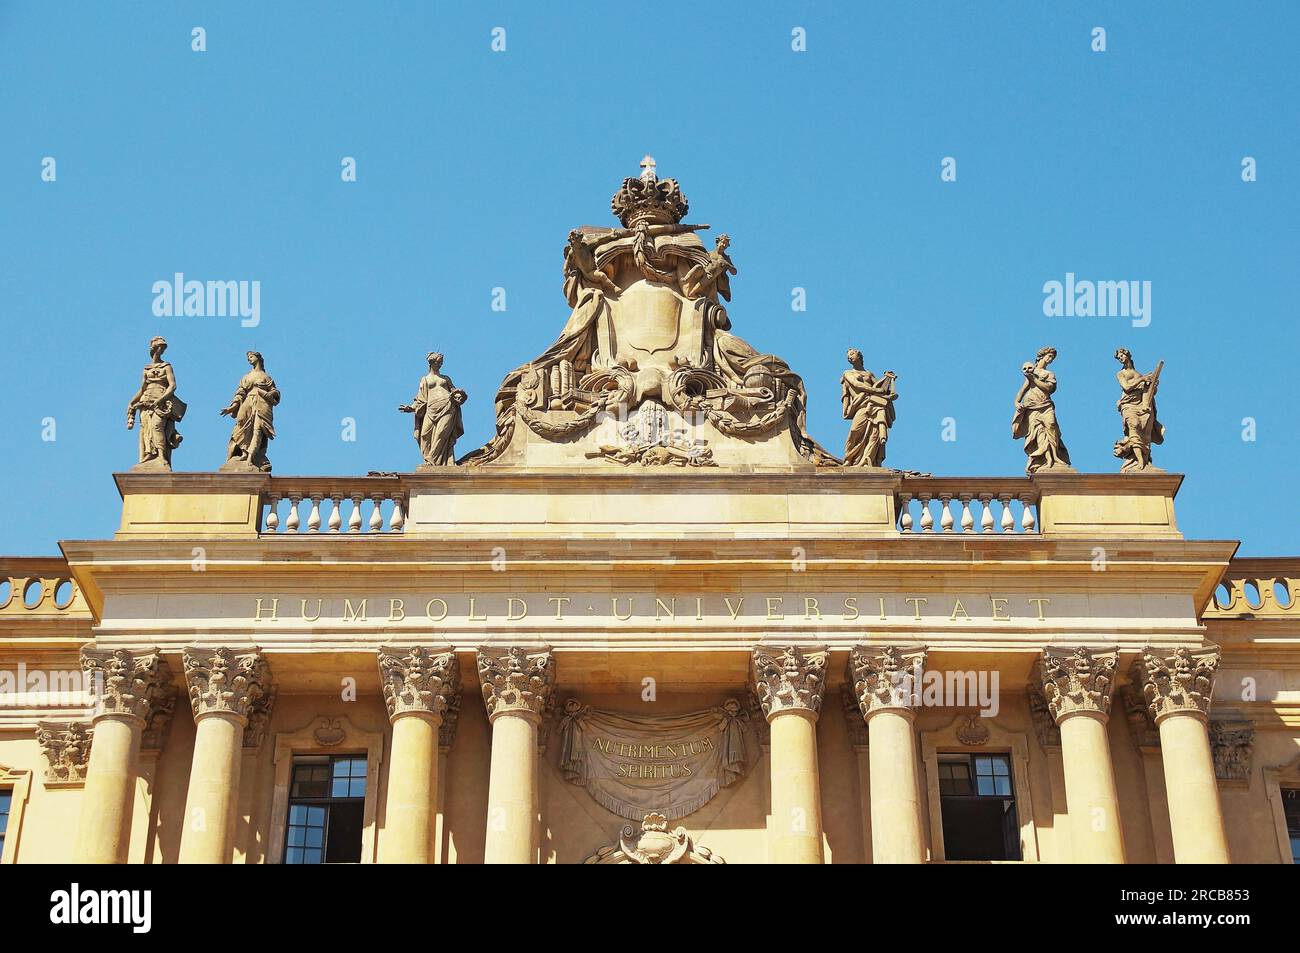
[634,765]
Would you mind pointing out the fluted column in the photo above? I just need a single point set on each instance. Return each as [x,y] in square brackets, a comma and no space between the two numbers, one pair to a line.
[131,688]
[419,686]
[227,689]
[1178,689]
[886,683]
[790,684]
[1078,690]
[517,688]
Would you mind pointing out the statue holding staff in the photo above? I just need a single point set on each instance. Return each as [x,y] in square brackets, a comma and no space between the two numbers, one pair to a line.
[253,409]
[159,410]
[437,415]
[869,404]
[1137,408]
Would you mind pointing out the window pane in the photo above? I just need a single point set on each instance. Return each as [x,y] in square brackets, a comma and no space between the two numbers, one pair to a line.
[297,836]
[985,787]
[293,855]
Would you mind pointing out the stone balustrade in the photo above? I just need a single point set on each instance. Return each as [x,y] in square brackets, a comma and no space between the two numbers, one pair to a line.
[39,586]
[974,505]
[348,506]
[1257,589]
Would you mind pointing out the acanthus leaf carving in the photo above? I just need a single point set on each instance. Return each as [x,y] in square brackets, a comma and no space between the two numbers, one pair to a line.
[789,678]
[516,680]
[887,677]
[1182,682]
[1081,681]
[66,747]
[137,684]
[223,681]
[419,679]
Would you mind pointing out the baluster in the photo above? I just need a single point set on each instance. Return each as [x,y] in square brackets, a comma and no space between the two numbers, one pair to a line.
[1008,518]
[945,519]
[905,515]
[1027,519]
[986,516]
[927,518]
[336,518]
[967,517]
[398,519]
[291,524]
[377,517]
[313,518]
[354,518]
[272,516]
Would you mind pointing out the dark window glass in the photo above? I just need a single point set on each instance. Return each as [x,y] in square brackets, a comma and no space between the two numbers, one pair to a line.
[6,799]
[1291,807]
[978,807]
[326,804]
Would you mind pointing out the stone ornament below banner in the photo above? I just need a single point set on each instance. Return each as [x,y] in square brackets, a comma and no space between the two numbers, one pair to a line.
[634,765]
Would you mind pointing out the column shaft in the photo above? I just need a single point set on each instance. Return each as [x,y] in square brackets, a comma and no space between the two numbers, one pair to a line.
[207,834]
[1195,816]
[512,798]
[1095,832]
[796,788]
[412,789]
[895,807]
[107,802]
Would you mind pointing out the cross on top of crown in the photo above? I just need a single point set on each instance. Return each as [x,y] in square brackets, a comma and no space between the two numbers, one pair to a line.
[648,168]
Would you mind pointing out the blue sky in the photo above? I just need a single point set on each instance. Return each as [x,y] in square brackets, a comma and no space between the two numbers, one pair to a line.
[823,166]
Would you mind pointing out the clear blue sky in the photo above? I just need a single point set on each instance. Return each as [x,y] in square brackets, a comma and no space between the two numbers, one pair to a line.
[824,166]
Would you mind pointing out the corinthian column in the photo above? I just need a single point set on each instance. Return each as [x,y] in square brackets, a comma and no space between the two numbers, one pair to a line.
[227,689]
[1078,690]
[517,687]
[790,685]
[886,682]
[131,689]
[1178,688]
[419,685]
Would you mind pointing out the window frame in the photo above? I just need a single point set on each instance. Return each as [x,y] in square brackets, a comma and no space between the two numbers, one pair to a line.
[1000,740]
[18,781]
[328,801]
[970,759]
[1279,779]
[343,738]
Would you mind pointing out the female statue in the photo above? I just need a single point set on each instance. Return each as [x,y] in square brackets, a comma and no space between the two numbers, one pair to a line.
[252,407]
[1035,418]
[159,409]
[869,404]
[437,415]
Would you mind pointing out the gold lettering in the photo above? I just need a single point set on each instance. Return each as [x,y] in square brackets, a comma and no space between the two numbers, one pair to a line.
[810,606]
[622,618]
[736,611]
[1040,603]
[559,609]
[882,608]
[774,613]
[850,604]
[304,611]
[354,615]
[396,610]
[916,606]
[275,605]
[428,607]
[472,616]
[661,606]
[699,609]
[958,607]
[510,609]
[999,605]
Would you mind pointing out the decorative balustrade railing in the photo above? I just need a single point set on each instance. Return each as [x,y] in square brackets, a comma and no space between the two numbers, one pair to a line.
[977,505]
[41,586]
[1257,589]
[326,505]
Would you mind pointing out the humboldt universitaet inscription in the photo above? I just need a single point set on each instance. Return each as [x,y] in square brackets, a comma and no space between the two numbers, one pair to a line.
[634,765]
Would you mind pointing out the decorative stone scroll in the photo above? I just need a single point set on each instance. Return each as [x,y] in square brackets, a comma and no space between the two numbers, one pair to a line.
[1045,727]
[668,764]
[1080,681]
[1179,683]
[419,679]
[66,746]
[789,679]
[886,677]
[138,684]
[654,845]
[516,680]
[223,681]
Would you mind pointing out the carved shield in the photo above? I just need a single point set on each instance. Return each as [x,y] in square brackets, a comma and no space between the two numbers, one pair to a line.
[647,318]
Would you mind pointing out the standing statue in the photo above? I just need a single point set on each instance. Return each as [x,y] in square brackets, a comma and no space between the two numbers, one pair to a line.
[159,409]
[1137,408]
[869,404]
[711,275]
[1035,418]
[253,409]
[580,270]
[437,415]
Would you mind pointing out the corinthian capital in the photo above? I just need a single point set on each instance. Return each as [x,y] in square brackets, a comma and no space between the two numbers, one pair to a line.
[790,679]
[1179,683]
[419,679]
[1081,681]
[66,746]
[516,679]
[223,681]
[137,684]
[886,677]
